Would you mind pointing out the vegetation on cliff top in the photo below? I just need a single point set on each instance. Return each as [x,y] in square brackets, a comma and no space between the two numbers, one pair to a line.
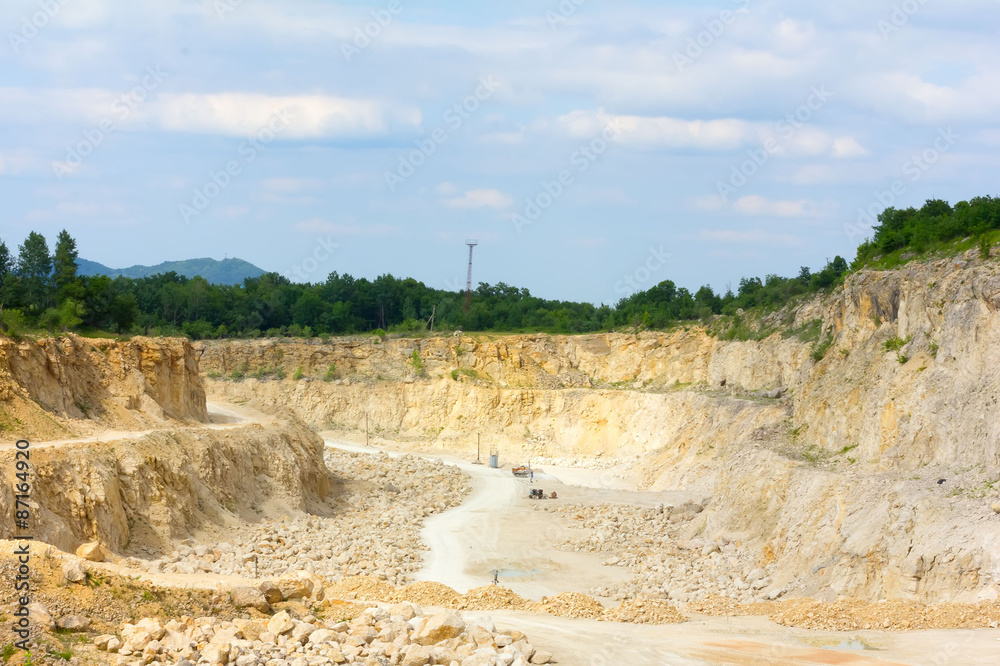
[43,291]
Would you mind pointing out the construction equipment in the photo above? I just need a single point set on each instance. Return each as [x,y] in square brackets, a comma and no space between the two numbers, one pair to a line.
[537,493]
[521,471]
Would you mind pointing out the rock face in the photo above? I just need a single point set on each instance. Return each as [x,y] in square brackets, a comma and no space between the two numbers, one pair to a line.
[129,385]
[822,466]
[161,486]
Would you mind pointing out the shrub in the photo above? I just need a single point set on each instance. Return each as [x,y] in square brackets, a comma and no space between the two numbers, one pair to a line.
[418,363]
[985,246]
[13,322]
[894,344]
[820,348]
[331,373]
[297,375]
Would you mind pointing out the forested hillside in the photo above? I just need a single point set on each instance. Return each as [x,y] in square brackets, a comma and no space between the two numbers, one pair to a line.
[43,291]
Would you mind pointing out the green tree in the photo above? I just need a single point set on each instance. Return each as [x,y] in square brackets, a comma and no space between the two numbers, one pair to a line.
[7,281]
[64,267]
[34,268]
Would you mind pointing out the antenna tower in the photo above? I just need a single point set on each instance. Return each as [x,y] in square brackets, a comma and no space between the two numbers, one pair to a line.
[468,282]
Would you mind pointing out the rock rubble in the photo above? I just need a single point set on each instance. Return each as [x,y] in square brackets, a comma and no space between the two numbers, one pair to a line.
[401,634]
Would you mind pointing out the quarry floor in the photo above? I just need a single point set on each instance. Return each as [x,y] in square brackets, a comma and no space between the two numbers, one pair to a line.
[498,529]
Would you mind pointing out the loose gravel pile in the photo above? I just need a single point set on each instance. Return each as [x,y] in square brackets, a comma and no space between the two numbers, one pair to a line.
[402,634]
[374,529]
[642,610]
[428,593]
[649,543]
[573,604]
[494,597]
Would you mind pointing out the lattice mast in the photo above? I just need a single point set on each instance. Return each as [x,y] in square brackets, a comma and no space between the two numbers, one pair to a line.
[468,281]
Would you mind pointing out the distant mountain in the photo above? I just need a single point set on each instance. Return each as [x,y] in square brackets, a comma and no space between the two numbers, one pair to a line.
[227,271]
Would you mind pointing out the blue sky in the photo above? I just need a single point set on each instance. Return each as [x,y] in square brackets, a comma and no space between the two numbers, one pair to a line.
[582,142]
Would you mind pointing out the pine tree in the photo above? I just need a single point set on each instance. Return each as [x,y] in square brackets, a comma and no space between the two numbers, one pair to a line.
[64,275]
[34,268]
[7,282]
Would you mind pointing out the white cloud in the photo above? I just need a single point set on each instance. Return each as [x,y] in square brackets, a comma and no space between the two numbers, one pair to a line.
[757,205]
[847,147]
[307,116]
[226,113]
[659,131]
[481,198]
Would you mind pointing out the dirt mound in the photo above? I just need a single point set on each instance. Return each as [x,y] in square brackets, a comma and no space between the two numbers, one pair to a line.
[573,604]
[494,597]
[720,606]
[361,587]
[643,610]
[854,614]
[428,593]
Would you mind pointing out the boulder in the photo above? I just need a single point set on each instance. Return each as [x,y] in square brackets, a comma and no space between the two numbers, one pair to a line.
[92,552]
[416,655]
[541,657]
[293,588]
[75,572]
[281,623]
[215,654]
[73,623]
[40,616]
[440,627]
[301,632]
[322,636]
[249,597]
[101,642]
[271,592]
[405,610]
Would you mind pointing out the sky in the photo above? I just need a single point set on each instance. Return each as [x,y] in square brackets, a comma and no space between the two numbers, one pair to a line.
[591,148]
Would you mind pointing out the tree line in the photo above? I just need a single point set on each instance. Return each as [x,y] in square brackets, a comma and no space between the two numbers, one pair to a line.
[43,291]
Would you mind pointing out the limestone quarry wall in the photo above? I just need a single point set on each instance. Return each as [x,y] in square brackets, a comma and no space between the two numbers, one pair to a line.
[147,491]
[46,384]
[832,482]
[638,393]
